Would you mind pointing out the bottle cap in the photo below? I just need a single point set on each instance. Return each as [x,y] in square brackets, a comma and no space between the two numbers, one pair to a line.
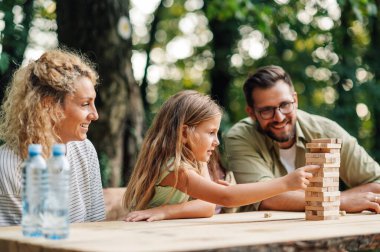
[59,149]
[34,149]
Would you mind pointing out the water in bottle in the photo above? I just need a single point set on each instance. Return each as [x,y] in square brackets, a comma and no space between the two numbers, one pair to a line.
[55,220]
[33,181]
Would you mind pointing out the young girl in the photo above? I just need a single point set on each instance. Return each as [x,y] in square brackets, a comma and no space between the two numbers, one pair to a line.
[172,166]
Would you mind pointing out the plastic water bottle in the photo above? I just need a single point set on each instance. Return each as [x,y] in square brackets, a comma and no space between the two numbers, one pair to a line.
[33,181]
[55,220]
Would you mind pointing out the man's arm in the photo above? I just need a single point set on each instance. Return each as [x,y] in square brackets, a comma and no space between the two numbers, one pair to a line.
[288,201]
[357,199]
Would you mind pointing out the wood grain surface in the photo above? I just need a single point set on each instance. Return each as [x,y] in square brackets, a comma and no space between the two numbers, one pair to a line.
[253,231]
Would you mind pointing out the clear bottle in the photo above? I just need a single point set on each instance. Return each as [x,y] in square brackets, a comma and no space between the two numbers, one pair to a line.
[56,209]
[33,182]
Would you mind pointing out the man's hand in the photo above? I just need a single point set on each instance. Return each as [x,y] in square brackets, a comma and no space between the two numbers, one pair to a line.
[356,202]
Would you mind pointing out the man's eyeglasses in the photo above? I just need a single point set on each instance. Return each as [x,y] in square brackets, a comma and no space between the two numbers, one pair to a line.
[268,112]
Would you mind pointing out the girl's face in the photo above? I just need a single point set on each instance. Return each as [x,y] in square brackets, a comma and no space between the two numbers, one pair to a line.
[79,111]
[204,138]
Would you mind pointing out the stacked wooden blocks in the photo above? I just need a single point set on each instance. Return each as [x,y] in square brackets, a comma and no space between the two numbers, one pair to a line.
[322,194]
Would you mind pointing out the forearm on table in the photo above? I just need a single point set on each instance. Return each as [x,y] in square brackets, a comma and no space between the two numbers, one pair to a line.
[288,201]
[190,209]
[370,187]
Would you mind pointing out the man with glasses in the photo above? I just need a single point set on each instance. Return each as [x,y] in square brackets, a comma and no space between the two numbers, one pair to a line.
[271,142]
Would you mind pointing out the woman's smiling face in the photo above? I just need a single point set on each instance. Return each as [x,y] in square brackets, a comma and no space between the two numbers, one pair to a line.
[79,111]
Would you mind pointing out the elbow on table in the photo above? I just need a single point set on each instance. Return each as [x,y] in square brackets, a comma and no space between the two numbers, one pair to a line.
[206,211]
[209,212]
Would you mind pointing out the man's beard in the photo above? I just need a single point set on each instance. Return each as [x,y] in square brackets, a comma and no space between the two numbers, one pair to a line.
[280,139]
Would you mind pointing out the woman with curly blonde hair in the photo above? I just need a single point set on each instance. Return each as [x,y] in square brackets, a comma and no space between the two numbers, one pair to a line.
[51,100]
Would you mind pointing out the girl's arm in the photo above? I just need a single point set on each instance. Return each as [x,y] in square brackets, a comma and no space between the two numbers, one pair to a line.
[191,209]
[242,194]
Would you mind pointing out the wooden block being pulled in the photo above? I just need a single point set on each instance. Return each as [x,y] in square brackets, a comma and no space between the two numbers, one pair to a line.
[323,145]
[324,184]
[325,179]
[327,140]
[329,169]
[322,174]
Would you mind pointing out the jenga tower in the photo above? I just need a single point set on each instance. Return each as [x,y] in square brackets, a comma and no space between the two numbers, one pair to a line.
[322,194]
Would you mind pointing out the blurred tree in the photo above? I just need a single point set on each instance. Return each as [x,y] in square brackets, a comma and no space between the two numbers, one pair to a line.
[148,50]
[372,10]
[102,30]
[223,26]
[17,17]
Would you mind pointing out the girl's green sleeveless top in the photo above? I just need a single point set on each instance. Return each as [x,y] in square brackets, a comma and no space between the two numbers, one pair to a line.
[162,193]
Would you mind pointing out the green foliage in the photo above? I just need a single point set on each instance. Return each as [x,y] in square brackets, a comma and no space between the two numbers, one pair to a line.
[105,172]
[325,61]
[4,62]
[334,70]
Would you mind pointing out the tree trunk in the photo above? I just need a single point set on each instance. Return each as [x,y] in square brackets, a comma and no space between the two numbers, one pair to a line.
[92,27]
[225,34]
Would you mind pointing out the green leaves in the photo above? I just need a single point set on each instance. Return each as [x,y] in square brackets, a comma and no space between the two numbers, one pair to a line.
[4,62]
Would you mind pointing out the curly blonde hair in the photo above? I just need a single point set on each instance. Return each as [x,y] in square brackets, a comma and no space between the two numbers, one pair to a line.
[33,101]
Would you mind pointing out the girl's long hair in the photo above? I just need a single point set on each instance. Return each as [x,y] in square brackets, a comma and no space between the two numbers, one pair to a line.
[163,144]
[33,101]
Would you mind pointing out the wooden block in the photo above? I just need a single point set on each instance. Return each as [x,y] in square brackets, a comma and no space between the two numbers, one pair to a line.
[321,198]
[322,160]
[324,165]
[322,155]
[327,140]
[324,179]
[314,217]
[322,189]
[323,204]
[322,208]
[322,213]
[324,150]
[329,169]
[323,145]
[326,174]
[324,184]
[321,194]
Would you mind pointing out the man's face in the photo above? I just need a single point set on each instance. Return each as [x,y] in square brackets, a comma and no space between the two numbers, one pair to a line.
[282,102]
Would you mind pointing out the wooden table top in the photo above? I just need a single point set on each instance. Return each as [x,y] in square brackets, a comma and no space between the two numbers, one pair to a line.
[239,231]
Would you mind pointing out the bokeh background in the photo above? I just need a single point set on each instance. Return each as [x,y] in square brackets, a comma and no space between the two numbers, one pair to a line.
[147,50]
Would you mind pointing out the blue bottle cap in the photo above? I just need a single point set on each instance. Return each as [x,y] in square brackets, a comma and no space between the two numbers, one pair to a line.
[34,149]
[59,149]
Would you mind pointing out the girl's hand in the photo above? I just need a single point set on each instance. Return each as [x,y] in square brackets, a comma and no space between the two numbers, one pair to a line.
[153,214]
[299,179]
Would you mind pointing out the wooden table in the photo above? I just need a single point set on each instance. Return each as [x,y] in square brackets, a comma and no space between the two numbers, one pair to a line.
[225,232]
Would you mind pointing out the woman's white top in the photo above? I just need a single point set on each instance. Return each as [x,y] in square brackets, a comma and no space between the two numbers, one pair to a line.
[86,193]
